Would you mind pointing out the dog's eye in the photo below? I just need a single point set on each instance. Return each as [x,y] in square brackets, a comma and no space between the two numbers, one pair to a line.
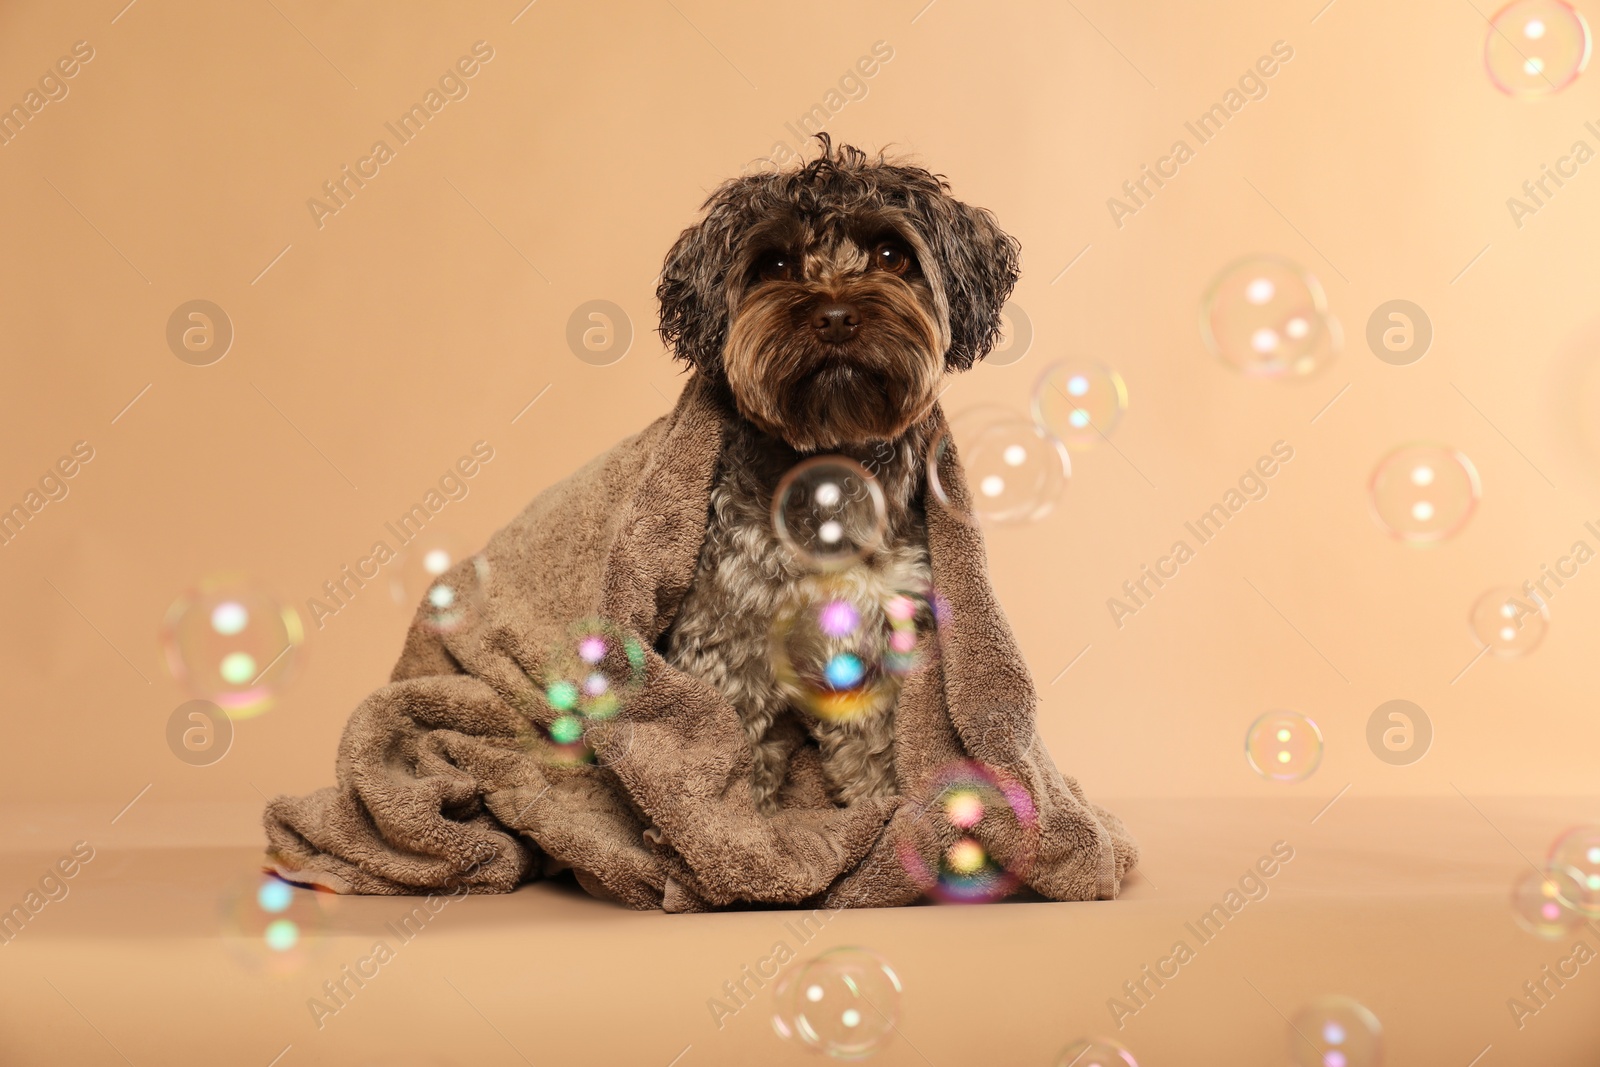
[891,256]
[777,267]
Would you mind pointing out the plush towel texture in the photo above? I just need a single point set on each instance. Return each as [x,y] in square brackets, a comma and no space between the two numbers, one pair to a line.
[438,787]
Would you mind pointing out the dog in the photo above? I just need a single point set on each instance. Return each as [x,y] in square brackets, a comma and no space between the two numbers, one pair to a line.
[826,303]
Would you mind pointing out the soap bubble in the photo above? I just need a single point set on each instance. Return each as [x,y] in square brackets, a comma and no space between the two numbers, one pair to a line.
[1536,47]
[1268,318]
[1096,1052]
[1577,855]
[1014,470]
[451,585]
[974,835]
[270,925]
[457,594]
[595,672]
[1541,902]
[232,644]
[843,1003]
[829,512]
[1079,402]
[419,564]
[1335,1031]
[585,682]
[1509,622]
[1284,746]
[840,648]
[1422,493]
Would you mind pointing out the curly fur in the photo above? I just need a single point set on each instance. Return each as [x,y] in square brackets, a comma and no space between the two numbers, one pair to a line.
[746,579]
[791,391]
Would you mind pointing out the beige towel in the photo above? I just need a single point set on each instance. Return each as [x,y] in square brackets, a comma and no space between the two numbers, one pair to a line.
[438,786]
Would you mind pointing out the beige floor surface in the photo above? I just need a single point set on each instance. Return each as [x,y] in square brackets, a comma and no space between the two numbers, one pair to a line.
[1400,903]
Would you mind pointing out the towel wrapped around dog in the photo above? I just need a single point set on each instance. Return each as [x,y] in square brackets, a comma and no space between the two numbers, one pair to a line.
[439,785]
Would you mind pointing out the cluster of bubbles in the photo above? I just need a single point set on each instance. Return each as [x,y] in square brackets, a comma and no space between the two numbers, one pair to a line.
[232,644]
[974,837]
[1553,901]
[841,645]
[1268,318]
[586,682]
[841,650]
[1283,746]
[829,511]
[1424,493]
[843,1003]
[450,586]
[271,926]
[1016,466]
[1536,47]
[1335,1031]
[1096,1052]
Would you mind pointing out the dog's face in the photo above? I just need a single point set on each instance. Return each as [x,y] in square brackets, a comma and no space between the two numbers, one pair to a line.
[831,299]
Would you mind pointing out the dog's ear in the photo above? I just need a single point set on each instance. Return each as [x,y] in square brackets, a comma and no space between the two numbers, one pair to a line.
[979,263]
[693,293]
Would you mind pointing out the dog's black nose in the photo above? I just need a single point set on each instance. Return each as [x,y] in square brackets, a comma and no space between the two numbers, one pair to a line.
[836,322]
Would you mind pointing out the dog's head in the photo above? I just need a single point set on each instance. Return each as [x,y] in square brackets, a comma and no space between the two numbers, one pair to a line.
[832,298]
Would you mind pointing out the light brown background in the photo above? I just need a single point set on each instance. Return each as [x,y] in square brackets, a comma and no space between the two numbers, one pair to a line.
[429,312]
[406,328]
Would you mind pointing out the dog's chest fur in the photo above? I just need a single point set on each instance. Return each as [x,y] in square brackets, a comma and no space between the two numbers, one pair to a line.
[746,578]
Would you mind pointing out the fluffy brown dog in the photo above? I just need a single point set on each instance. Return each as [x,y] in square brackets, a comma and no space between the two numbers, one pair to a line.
[829,301]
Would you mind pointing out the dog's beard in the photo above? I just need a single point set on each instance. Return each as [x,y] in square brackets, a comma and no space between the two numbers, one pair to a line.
[816,395]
